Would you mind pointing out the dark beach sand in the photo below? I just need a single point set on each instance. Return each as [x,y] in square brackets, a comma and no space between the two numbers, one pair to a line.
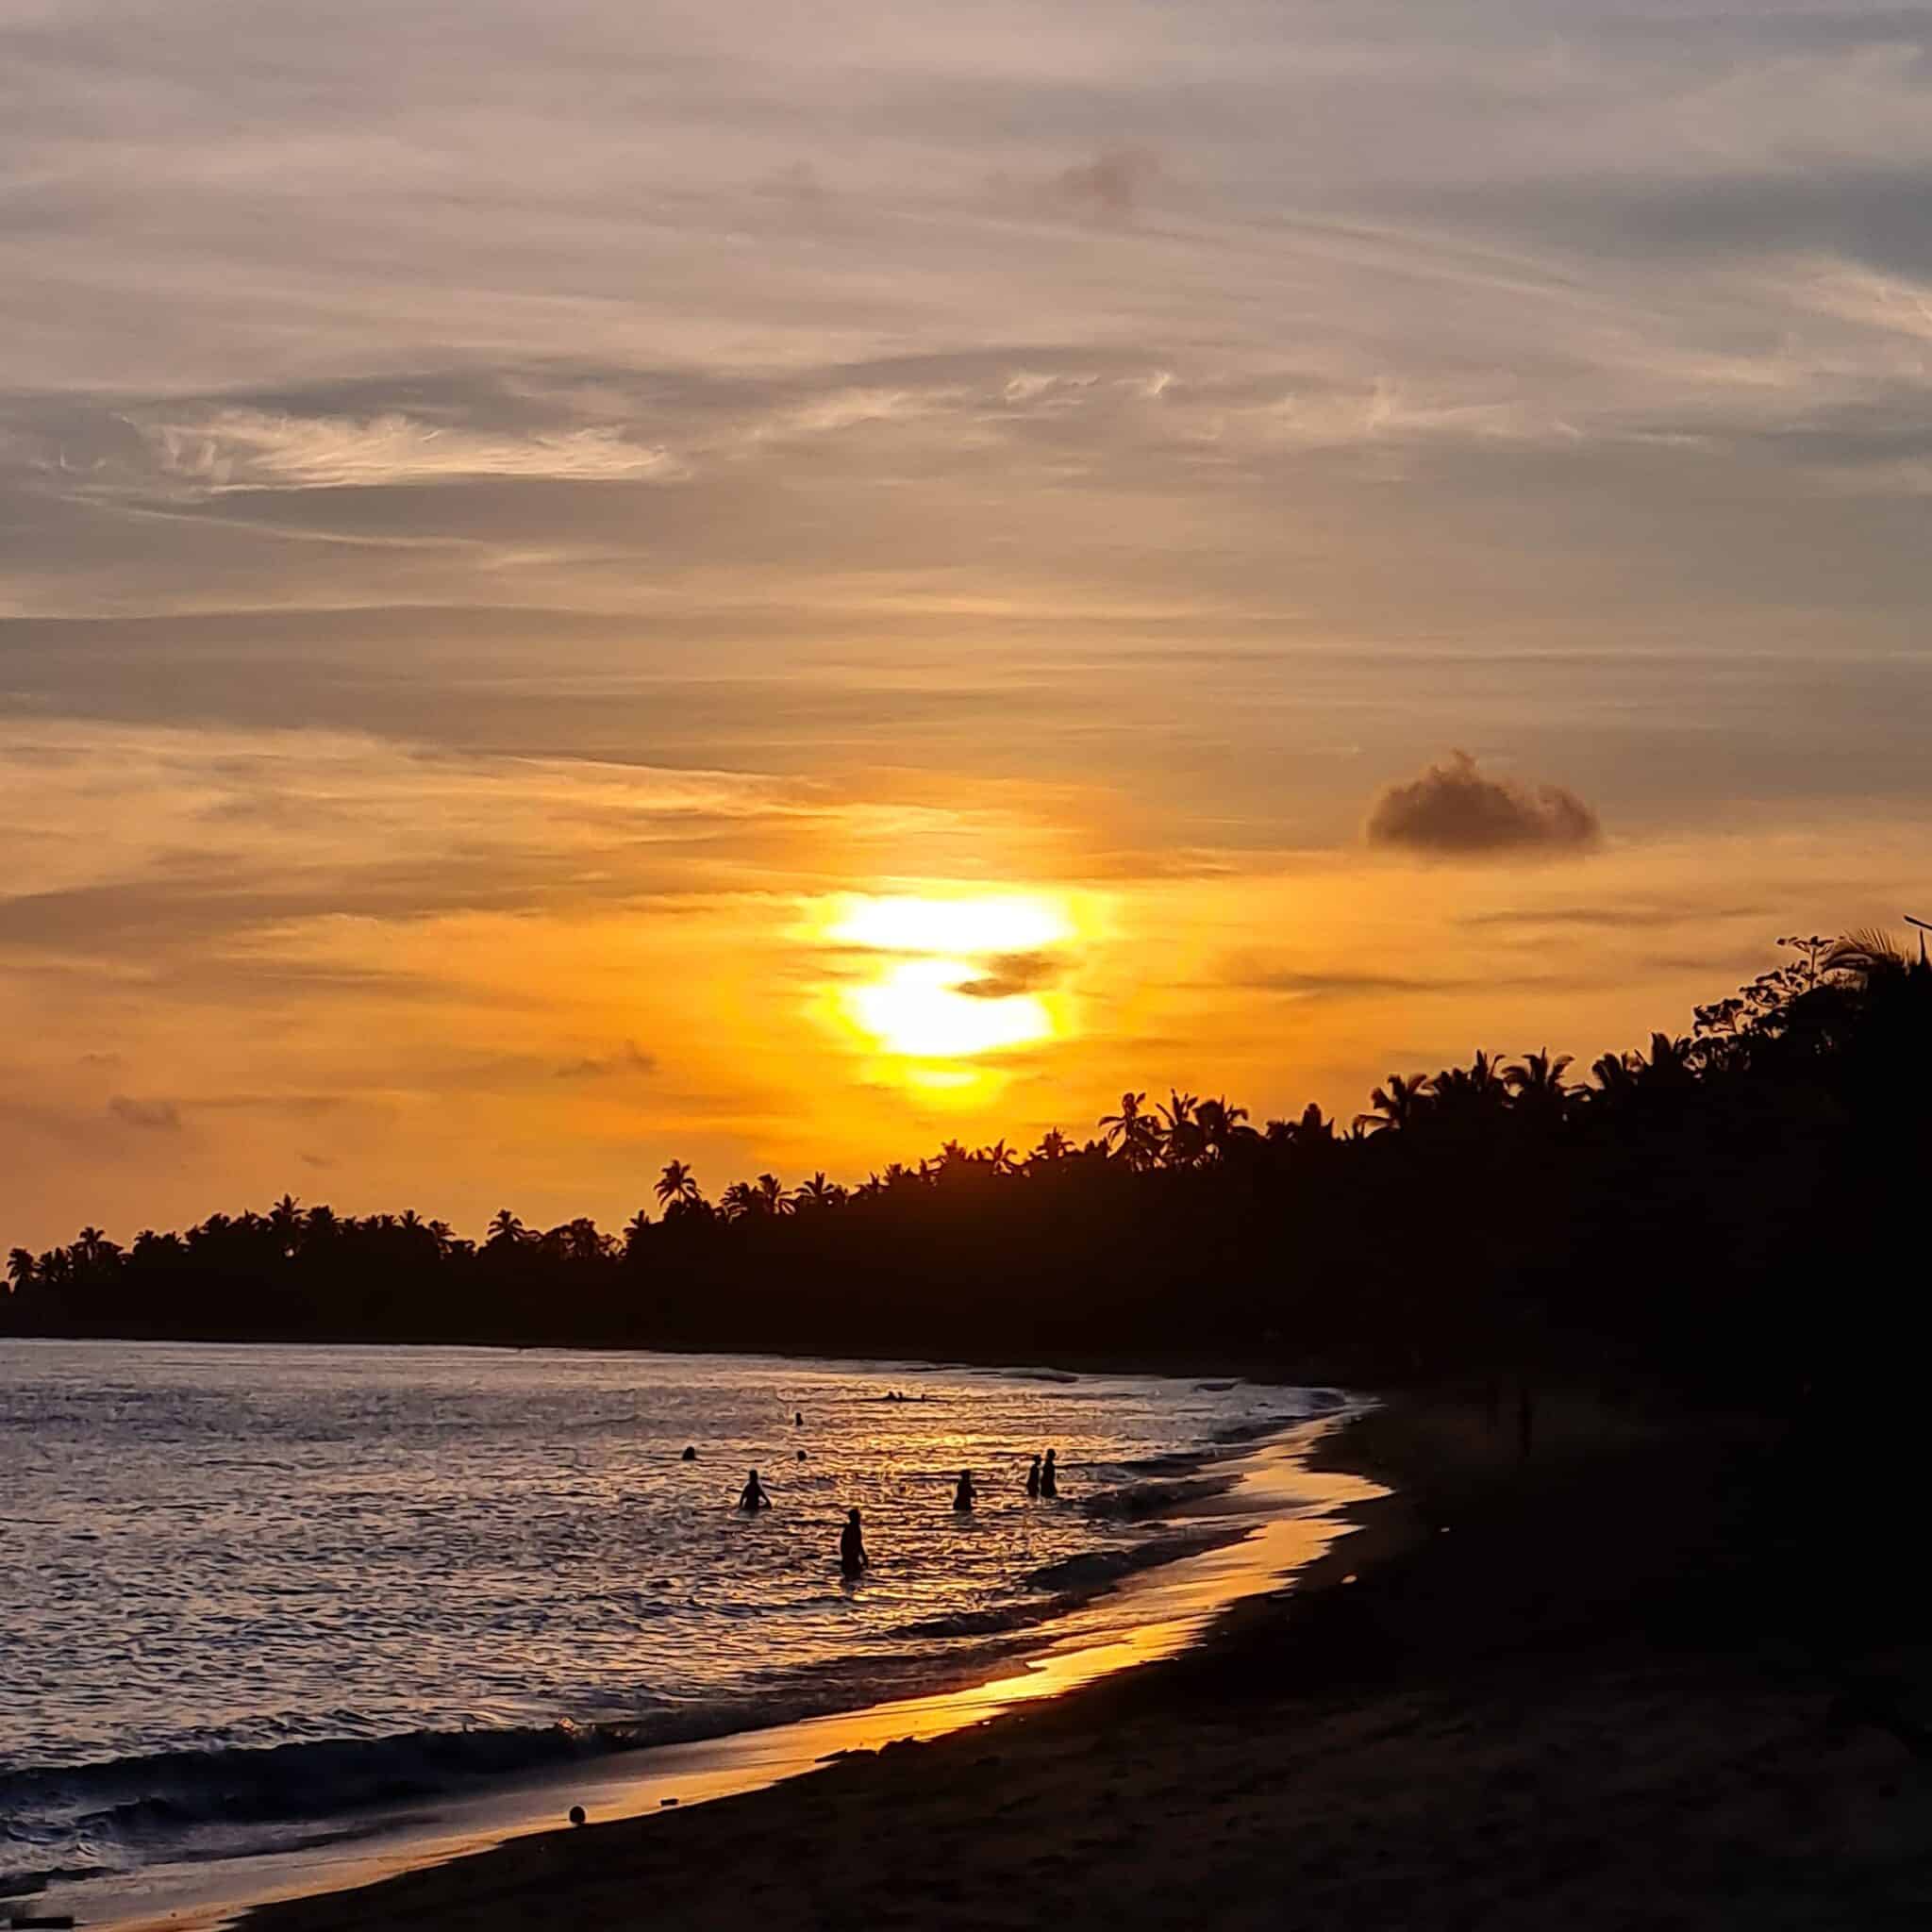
[1657,1675]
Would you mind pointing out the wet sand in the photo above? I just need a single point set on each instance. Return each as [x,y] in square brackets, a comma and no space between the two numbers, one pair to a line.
[1642,1677]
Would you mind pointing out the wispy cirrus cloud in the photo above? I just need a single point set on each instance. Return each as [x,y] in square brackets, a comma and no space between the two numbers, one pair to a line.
[253,449]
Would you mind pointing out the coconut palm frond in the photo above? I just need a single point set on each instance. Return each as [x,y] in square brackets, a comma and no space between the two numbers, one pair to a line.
[1867,949]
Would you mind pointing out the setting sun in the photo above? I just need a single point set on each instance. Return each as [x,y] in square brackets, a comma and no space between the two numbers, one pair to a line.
[926,1009]
[945,978]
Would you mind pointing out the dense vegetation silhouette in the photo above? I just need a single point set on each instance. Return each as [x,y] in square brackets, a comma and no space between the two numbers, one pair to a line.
[1724,1208]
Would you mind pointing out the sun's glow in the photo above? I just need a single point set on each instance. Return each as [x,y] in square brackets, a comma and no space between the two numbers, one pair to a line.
[1001,923]
[915,1007]
[948,980]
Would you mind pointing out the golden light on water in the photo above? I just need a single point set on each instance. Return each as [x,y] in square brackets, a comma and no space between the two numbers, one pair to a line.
[951,979]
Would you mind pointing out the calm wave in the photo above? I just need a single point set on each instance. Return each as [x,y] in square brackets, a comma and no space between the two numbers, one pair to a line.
[245,1589]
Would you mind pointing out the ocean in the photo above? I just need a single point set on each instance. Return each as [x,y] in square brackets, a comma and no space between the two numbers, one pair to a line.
[251,1596]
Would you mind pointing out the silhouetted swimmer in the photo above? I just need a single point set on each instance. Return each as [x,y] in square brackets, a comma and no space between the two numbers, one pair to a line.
[752,1498]
[798,1418]
[1049,1476]
[689,1455]
[801,1456]
[965,1495]
[852,1556]
[1033,1478]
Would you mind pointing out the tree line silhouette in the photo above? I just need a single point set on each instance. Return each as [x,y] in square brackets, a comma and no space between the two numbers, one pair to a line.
[1722,1208]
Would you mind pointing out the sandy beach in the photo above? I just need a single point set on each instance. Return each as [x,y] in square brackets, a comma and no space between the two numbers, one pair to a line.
[1524,1692]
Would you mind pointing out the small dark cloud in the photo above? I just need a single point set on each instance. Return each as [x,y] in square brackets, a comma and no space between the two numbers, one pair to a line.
[1455,807]
[627,1059]
[1109,188]
[156,1116]
[1011,973]
[798,187]
[315,1161]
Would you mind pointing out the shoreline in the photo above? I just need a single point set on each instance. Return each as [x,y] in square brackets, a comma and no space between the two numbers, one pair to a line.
[1524,1691]
[1278,1507]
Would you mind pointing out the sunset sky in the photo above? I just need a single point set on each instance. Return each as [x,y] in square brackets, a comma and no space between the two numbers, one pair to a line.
[777,584]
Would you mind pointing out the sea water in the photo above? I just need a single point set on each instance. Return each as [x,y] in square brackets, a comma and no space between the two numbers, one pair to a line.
[247,1592]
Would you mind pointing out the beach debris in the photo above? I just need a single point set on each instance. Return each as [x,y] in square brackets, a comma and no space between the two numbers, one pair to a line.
[576,1814]
[665,1803]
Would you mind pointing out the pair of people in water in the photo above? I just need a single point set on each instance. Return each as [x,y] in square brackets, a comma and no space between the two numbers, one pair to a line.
[852,1556]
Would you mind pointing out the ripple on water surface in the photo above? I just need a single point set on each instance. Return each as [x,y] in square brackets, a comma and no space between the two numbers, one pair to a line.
[375,1572]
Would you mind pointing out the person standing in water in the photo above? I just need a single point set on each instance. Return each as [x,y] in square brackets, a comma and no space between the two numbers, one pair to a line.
[1049,1480]
[1033,1478]
[852,1556]
[965,1495]
[752,1498]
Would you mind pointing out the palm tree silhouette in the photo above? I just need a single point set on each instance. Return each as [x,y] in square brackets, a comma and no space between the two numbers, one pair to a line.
[1612,1074]
[1537,1081]
[998,1158]
[1221,1125]
[1054,1146]
[1134,1131]
[1468,1091]
[746,1200]
[20,1268]
[1184,1142]
[676,1183]
[1400,1103]
[286,1219]
[1670,1062]
[506,1229]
